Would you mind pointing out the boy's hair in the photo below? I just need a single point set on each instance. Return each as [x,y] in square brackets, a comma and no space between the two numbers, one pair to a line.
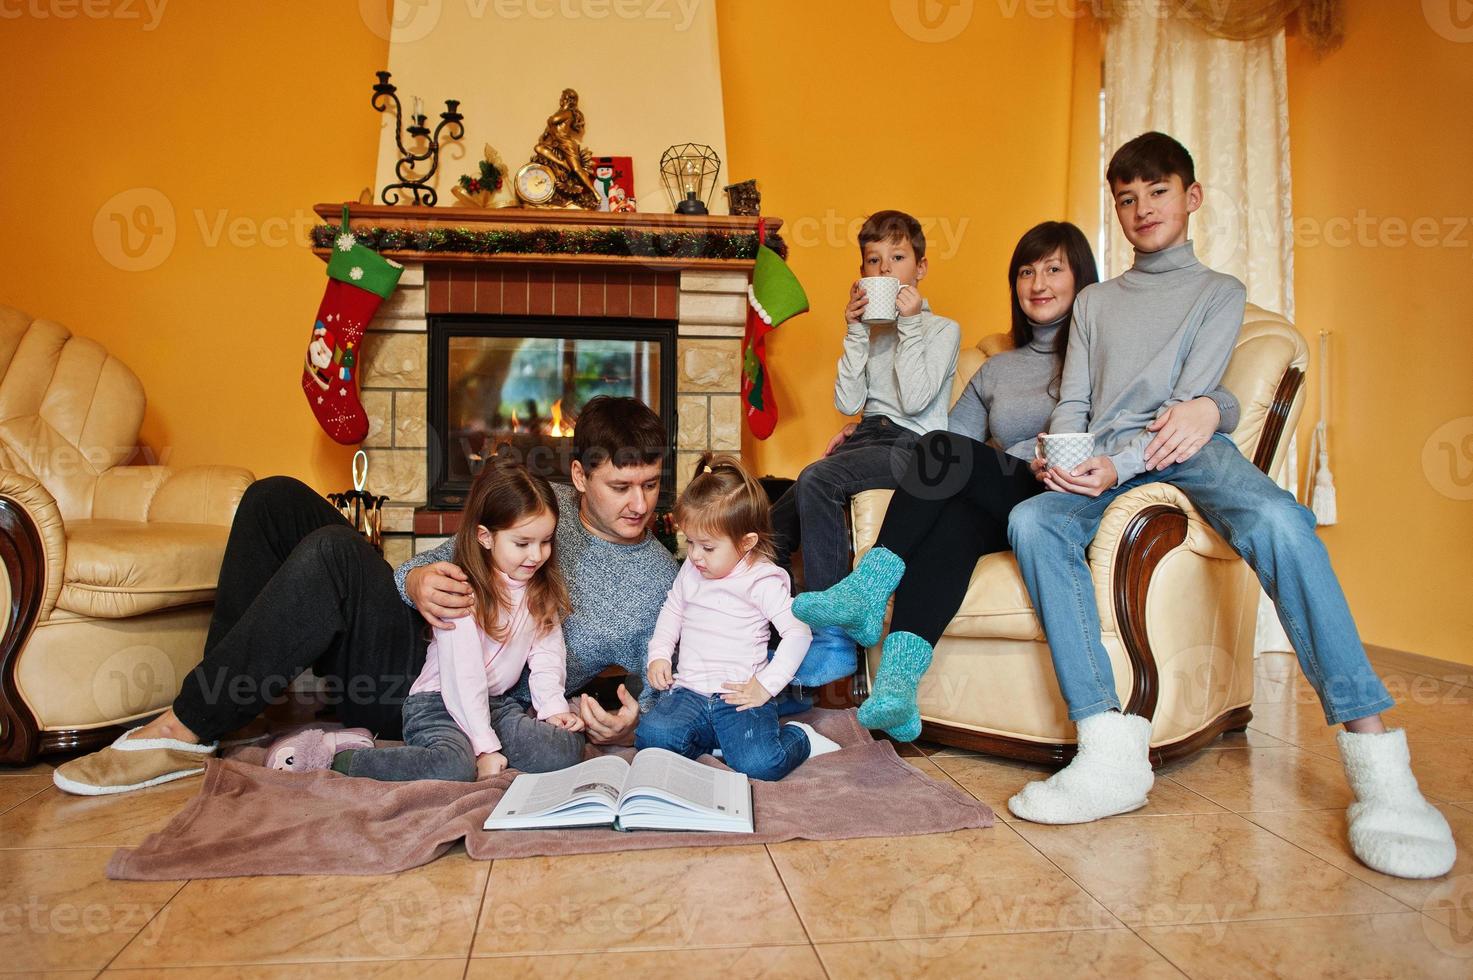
[504,494]
[1151,157]
[724,499]
[1037,242]
[889,226]
[622,431]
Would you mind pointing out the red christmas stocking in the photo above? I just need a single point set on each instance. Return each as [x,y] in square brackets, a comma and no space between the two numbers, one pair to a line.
[358,281]
[760,402]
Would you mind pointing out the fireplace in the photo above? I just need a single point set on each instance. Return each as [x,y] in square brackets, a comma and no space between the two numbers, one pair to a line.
[688,313]
[518,384]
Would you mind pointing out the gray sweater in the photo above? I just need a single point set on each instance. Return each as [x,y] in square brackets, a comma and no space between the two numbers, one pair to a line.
[1008,401]
[617,591]
[1158,334]
[901,370]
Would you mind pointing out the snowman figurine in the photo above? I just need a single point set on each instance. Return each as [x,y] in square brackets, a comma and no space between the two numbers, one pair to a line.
[604,176]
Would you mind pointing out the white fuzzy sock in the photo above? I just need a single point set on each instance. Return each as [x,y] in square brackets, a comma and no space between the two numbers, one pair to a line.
[1110,774]
[1393,829]
[817,744]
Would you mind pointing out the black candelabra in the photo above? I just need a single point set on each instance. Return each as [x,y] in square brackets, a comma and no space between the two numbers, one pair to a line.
[384,93]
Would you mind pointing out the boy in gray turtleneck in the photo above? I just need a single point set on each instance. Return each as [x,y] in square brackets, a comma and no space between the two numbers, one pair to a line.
[1139,345]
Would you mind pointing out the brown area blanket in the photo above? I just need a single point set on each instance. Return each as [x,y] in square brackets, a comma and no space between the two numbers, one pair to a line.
[249,820]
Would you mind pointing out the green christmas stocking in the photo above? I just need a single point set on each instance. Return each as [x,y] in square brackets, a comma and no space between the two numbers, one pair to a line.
[774,297]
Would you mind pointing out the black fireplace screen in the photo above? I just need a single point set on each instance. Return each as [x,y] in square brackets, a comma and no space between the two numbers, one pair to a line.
[520,383]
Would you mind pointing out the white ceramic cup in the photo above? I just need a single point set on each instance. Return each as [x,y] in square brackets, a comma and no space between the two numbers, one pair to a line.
[882,292]
[1066,450]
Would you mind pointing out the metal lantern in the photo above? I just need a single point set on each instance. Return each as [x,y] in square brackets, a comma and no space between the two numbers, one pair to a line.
[689,173]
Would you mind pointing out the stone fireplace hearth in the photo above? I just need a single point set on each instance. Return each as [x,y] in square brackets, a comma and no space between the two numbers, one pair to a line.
[705,298]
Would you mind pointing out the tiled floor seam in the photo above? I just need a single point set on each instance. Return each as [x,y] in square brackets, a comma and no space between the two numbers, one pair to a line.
[1246,816]
[766,849]
[134,938]
[480,912]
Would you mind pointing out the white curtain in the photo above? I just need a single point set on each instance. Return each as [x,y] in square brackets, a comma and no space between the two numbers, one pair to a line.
[1227,102]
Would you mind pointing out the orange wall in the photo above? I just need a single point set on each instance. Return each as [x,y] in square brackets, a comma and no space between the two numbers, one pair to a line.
[840,110]
[1380,141]
[241,116]
[238,117]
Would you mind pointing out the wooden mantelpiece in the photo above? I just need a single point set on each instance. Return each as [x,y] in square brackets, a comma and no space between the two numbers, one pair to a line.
[525,219]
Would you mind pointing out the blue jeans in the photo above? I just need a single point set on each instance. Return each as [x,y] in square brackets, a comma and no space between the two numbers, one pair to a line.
[1262,522]
[751,741]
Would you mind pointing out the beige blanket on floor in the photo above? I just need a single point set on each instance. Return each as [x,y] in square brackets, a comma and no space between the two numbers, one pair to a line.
[249,820]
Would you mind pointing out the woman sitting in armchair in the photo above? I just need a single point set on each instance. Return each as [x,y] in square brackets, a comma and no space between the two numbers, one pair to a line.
[953,502]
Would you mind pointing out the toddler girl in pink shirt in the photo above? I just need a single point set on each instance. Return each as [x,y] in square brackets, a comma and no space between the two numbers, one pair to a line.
[718,611]
[458,723]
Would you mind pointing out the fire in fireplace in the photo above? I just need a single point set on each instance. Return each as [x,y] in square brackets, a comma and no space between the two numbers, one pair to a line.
[519,384]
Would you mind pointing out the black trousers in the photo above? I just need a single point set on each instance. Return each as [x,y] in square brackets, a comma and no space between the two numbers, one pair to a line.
[301,588]
[950,509]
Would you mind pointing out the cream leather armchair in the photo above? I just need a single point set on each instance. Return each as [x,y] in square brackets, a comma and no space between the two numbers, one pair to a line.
[107,571]
[1177,606]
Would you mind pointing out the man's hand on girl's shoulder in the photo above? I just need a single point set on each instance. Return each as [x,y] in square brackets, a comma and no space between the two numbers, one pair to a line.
[440,592]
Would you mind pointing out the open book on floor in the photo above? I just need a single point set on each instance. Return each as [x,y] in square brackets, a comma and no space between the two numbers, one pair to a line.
[659,790]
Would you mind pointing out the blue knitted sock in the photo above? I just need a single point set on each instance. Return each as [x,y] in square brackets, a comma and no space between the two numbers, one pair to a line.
[857,603]
[892,703]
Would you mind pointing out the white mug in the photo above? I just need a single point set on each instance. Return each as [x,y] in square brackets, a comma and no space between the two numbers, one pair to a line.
[882,292]
[1066,450]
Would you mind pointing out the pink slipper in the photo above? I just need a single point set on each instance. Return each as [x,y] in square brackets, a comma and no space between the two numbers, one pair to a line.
[312,749]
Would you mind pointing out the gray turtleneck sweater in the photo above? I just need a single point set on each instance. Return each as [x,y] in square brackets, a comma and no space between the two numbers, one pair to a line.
[1158,334]
[1008,401]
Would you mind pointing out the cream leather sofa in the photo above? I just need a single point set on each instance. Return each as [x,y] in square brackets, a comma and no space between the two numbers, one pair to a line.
[1177,606]
[107,571]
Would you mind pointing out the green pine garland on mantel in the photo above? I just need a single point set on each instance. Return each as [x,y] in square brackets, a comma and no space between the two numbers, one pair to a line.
[613,242]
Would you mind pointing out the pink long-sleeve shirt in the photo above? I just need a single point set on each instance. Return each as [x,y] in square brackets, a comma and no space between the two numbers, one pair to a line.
[467,667]
[721,625]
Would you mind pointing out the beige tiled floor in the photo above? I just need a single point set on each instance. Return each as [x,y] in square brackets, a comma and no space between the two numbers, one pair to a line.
[1238,867]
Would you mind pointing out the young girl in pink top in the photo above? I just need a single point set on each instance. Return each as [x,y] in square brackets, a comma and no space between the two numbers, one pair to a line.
[458,725]
[718,611]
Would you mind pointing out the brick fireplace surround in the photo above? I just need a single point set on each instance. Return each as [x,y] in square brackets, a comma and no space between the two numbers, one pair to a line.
[707,298]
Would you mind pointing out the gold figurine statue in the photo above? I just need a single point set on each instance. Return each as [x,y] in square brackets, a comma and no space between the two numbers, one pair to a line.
[560,149]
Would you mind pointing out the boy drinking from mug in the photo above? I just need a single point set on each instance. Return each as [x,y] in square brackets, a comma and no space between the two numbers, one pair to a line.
[896,372]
